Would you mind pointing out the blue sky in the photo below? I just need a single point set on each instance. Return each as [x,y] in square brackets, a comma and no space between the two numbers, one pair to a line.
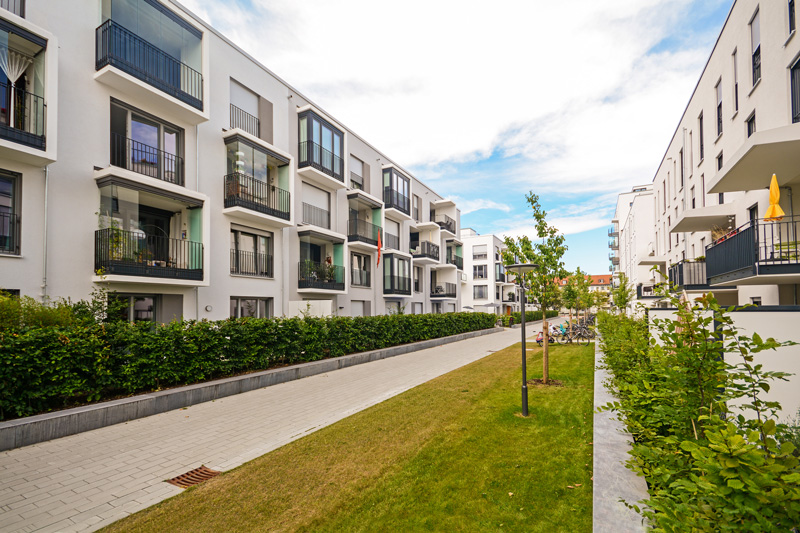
[485,101]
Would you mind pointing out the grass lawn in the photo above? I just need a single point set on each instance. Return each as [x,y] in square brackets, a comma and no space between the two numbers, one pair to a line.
[450,455]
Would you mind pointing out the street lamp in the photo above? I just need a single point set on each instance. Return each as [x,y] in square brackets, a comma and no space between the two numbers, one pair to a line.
[520,269]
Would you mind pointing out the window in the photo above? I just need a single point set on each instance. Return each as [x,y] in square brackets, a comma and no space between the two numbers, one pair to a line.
[703,190]
[664,195]
[392,308]
[417,279]
[320,145]
[693,199]
[795,75]
[719,107]
[244,109]
[416,203]
[682,174]
[735,83]
[137,308]
[356,173]
[792,21]
[11,292]
[751,124]
[755,41]
[755,300]
[479,251]
[9,214]
[719,161]
[479,272]
[721,198]
[360,270]
[251,253]
[700,133]
[480,292]
[242,307]
[396,191]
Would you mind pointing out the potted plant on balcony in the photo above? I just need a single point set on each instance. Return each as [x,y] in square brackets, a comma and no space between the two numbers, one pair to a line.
[330,270]
[510,296]
[700,259]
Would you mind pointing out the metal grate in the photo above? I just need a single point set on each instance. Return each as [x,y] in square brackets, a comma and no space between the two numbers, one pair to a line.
[193,477]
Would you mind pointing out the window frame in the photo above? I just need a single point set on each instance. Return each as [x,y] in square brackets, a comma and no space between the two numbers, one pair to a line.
[12,227]
[268,306]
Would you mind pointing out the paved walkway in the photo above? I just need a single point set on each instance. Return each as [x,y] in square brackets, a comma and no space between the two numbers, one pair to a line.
[87,481]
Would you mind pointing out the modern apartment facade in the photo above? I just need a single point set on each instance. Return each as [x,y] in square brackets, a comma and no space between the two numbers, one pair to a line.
[142,151]
[487,286]
[710,193]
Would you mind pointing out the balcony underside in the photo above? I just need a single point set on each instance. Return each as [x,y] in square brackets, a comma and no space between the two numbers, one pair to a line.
[424,260]
[320,287]
[320,178]
[760,275]
[247,214]
[357,242]
[704,218]
[395,214]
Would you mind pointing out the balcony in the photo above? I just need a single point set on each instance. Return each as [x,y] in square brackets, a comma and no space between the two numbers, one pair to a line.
[690,276]
[9,234]
[359,278]
[245,121]
[613,258]
[444,290]
[646,292]
[247,192]
[509,298]
[500,277]
[323,161]
[396,285]
[613,244]
[24,121]
[425,252]
[446,223]
[117,47]
[359,230]
[257,265]
[756,253]
[146,160]
[324,276]
[316,216]
[456,260]
[393,199]
[392,241]
[613,232]
[132,253]
[15,6]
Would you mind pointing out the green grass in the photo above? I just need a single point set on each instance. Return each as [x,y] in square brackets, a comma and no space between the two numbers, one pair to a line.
[450,455]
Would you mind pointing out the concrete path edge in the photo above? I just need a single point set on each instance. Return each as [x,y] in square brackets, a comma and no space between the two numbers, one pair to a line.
[48,426]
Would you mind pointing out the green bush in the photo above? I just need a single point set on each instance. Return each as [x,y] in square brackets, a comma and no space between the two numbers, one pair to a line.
[530,316]
[48,363]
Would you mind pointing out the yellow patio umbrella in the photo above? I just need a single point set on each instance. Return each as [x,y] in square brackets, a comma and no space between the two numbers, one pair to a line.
[774,211]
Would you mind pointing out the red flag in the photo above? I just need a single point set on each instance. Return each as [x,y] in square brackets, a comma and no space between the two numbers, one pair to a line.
[379,247]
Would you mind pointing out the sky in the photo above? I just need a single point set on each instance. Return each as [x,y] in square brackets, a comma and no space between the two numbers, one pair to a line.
[486,101]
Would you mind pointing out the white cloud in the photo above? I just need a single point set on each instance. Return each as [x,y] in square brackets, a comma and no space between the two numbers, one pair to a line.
[470,206]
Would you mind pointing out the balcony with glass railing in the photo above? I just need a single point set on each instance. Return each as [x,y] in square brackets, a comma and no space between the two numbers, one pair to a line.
[393,284]
[359,230]
[321,159]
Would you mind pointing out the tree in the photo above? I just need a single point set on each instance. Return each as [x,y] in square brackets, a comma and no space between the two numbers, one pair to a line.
[547,254]
[569,295]
[622,294]
[582,284]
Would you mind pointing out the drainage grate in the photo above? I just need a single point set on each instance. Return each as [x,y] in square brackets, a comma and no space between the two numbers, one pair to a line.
[193,477]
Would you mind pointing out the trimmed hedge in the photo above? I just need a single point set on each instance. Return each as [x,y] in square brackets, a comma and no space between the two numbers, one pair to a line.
[43,368]
[530,316]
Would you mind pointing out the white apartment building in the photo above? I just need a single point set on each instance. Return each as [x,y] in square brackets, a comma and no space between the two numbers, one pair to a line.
[741,126]
[486,287]
[143,151]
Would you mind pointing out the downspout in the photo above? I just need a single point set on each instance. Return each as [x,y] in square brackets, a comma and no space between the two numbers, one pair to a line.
[44,236]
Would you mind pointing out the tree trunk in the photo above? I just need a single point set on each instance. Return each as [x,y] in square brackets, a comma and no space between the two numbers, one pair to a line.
[545,351]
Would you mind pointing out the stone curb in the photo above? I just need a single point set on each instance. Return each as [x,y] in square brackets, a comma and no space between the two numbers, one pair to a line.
[48,426]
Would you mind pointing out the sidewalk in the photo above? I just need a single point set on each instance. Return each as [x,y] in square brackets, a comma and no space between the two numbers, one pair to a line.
[86,481]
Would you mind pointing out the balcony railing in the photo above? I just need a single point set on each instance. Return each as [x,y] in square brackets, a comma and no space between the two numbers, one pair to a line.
[245,121]
[500,276]
[315,156]
[359,278]
[509,299]
[130,253]
[396,285]
[444,290]
[613,232]
[9,234]
[456,260]
[15,6]
[446,223]
[393,199]
[312,275]
[244,263]
[644,292]
[613,244]
[755,248]
[392,241]
[688,275]
[245,191]
[23,119]
[425,249]
[316,216]
[363,231]
[123,49]
[147,160]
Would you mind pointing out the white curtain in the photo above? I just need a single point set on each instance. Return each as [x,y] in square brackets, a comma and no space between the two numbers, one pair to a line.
[14,65]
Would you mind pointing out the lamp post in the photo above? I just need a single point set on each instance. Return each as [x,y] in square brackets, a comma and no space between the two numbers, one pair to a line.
[520,269]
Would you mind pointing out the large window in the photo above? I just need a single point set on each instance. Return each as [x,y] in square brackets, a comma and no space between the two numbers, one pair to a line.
[795,75]
[755,40]
[479,272]
[320,145]
[360,270]
[251,253]
[9,214]
[735,83]
[137,308]
[792,21]
[242,307]
[700,130]
[479,252]
[480,292]
[718,89]
[244,109]
[356,173]
[396,190]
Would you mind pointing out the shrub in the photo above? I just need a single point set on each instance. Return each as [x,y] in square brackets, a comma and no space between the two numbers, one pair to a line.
[530,316]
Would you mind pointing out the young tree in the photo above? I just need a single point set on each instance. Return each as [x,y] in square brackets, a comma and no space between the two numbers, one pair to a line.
[569,295]
[582,283]
[547,254]
[622,294]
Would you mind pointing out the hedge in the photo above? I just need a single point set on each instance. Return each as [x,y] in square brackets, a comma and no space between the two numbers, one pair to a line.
[530,316]
[44,368]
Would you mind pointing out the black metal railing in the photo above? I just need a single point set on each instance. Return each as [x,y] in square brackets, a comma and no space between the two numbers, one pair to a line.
[316,216]
[315,156]
[359,278]
[312,275]
[443,290]
[15,6]
[131,253]
[361,230]
[392,241]
[396,285]
[23,119]
[500,276]
[245,121]
[687,275]
[757,65]
[393,199]
[456,260]
[425,249]
[245,191]
[446,223]
[733,253]
[123,49]
[9,233]
[147,160]
[244,263]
